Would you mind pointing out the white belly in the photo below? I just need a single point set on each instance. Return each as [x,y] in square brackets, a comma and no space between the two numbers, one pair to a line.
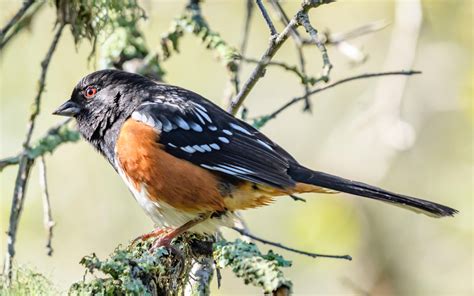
[164,215]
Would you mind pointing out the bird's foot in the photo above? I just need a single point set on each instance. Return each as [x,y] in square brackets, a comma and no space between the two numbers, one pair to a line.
[155,233]
[164,238]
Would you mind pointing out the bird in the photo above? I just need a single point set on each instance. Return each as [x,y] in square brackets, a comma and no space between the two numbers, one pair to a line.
[191,165]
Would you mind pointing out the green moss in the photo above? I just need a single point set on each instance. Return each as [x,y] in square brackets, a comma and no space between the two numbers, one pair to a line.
[52,140]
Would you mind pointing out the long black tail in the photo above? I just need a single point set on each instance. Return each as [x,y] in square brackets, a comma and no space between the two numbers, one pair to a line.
[305,175]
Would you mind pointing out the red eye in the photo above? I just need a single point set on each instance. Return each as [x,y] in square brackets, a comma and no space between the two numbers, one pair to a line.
[90,92]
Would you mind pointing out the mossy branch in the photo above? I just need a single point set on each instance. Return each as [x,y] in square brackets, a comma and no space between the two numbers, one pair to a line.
[192,21]
[138,271]
[255,268]
[55,136]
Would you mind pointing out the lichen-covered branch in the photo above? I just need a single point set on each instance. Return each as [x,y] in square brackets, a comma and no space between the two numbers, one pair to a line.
[255,268]
[92,20]
[192,21]
[185,268]
[53,138]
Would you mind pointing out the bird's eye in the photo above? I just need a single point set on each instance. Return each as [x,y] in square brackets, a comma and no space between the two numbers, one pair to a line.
[90,92]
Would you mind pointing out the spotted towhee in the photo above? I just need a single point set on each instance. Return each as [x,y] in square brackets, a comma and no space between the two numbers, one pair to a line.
[191,165]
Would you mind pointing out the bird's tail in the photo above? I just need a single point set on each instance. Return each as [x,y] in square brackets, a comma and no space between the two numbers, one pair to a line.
[319,179]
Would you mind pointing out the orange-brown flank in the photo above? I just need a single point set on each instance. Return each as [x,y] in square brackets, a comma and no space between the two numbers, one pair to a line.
[177,182]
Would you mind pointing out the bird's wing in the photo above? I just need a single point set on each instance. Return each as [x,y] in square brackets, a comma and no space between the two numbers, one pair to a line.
[194,129]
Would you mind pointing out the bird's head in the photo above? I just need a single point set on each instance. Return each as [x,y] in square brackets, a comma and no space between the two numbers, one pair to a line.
[102,101]
[102,98]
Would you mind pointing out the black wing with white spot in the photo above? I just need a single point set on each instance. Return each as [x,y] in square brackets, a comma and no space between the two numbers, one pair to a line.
[195,129]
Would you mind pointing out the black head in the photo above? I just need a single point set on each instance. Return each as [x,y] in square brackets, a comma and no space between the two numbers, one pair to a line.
[102,101]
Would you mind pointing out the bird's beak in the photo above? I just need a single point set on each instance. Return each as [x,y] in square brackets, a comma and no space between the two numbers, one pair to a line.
[69,108]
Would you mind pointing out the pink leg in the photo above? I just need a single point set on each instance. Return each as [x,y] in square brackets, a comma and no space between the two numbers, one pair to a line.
[168,234]
[154,233]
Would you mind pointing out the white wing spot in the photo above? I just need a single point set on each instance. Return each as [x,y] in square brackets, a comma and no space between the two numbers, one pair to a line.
[240,129]
[215,168]
[224,140]
[215,146]
[188,149]
[204,114]
[167,126]
[199,117]
[228,132]
[236,169]
[206,147]
[198,148]
[148,120]
[196,127]
[181,123]
[212,128]
[264,144]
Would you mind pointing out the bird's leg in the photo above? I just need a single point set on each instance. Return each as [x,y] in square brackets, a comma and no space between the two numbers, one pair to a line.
[168,234]
[146,236]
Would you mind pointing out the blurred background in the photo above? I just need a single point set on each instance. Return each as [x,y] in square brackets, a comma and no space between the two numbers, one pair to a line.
[412,135]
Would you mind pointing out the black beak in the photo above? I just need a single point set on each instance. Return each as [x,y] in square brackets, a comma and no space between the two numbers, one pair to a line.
[69,108]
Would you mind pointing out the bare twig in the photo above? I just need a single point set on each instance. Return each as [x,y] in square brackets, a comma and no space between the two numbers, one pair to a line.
[47,216]
[15,19]
[281,246]
[303,18]
[303,77]
[275,44]
[285,21]
[246,33]
[258,72]
[299,49]
[262,120]
[25,163]
[268,20]
[233,86]
[356,32]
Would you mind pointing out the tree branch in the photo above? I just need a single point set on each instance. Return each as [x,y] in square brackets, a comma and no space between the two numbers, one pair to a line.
[54,137]
[275,44]
[303,77]
[303,18]
[267,18]
[262,120]
[15,19]
[47,216]
[281,246]
[299,49]
[25,162]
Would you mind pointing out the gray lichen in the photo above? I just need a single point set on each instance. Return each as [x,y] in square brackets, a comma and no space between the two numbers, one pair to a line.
[138,271]
[248,263]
